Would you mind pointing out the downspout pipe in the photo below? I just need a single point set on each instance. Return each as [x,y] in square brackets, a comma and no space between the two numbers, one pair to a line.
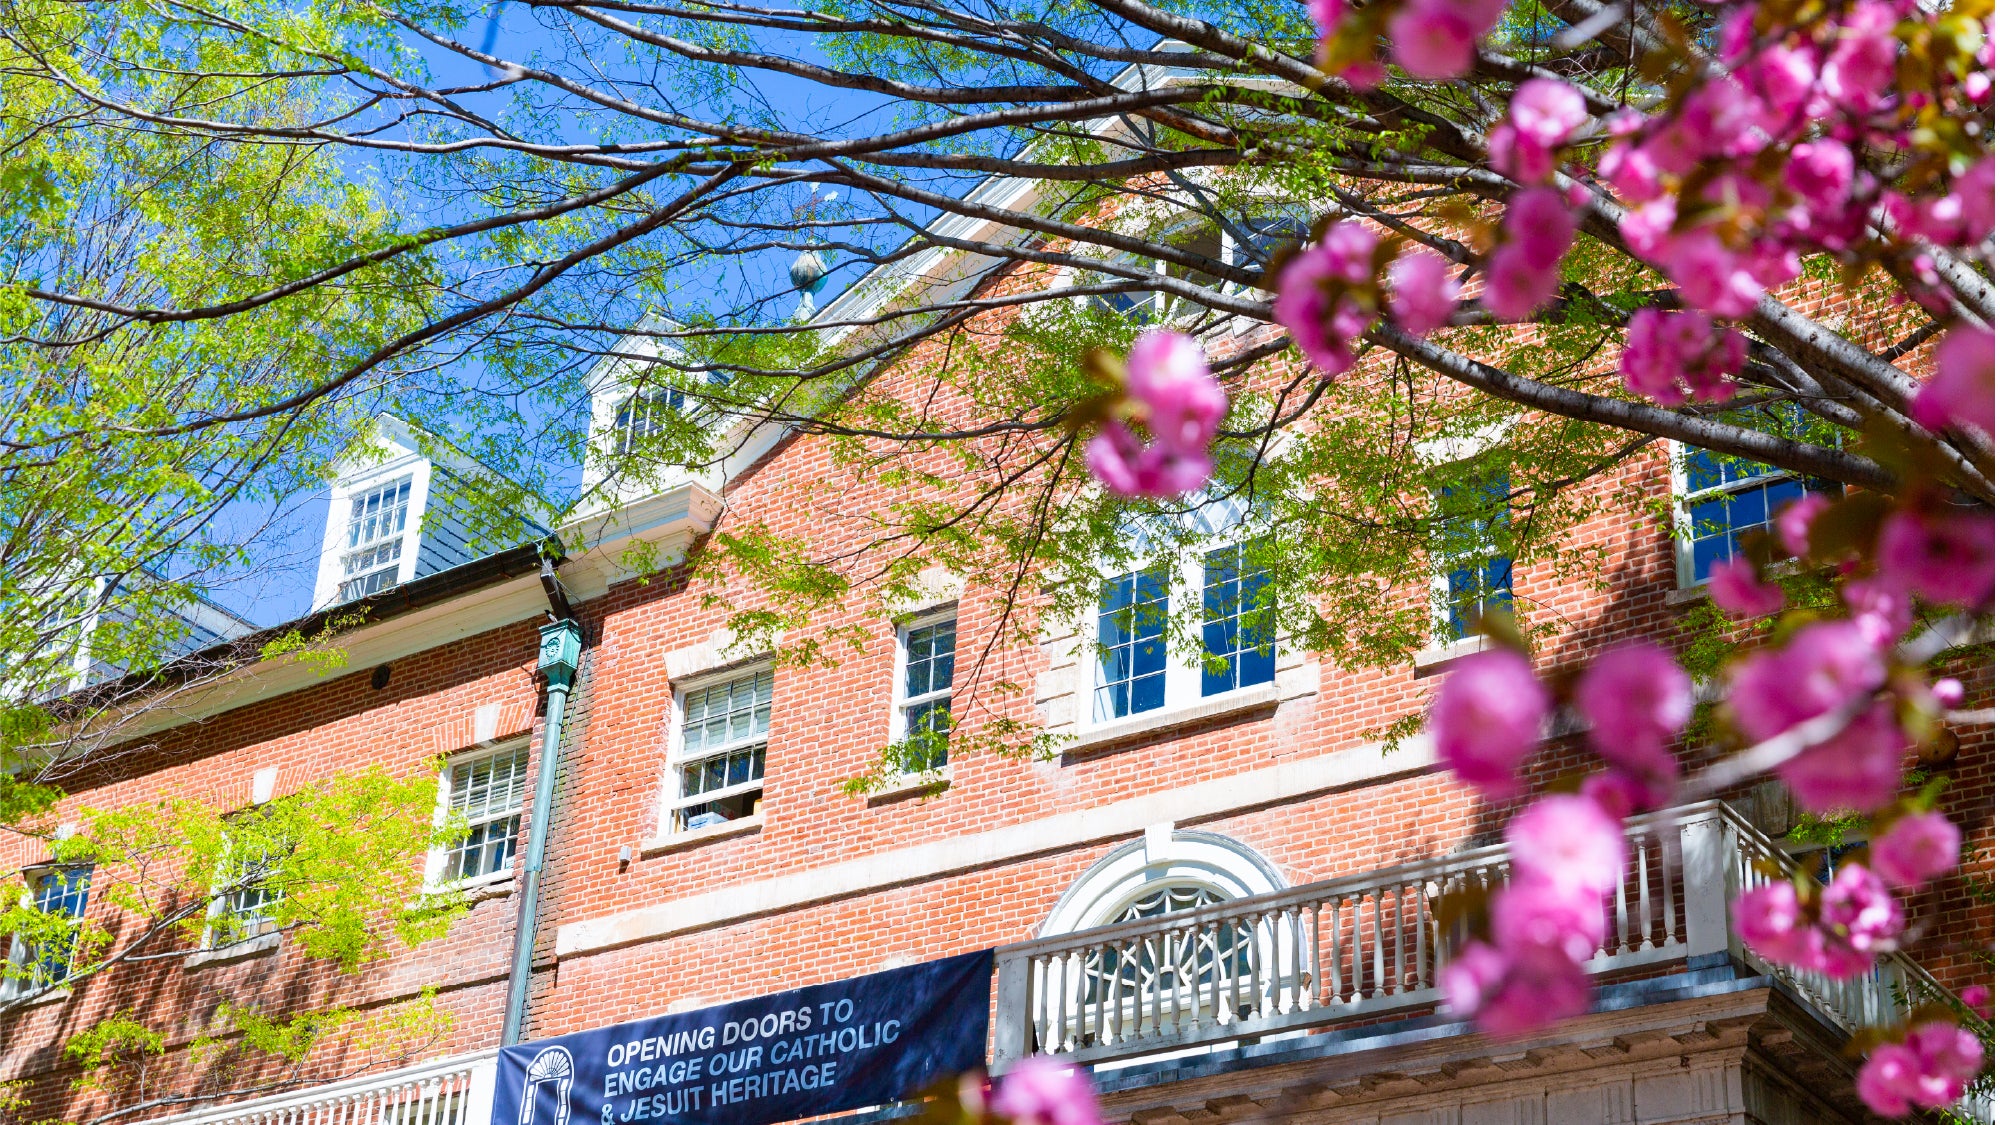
[562,643]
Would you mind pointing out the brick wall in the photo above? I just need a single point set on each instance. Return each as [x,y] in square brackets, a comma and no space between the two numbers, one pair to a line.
[827,725]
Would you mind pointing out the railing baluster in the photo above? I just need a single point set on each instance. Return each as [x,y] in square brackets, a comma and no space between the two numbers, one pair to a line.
[1379,969]
[1645,891]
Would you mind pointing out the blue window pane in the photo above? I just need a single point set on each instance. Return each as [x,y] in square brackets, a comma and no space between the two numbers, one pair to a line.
[1472,591]
[1238,633]
[64,893]
[1717,522]
[1131,627]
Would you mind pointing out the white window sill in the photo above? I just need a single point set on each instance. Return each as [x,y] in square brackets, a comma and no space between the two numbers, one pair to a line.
[1261,697]
[236,951]
[1438,657]
[478,889]
[909,785]
[36,1000]
[1688,595]
[695,837]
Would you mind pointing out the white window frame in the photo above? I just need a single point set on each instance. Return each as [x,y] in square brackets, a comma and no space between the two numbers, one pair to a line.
[218,907]
[434,861]
[400,538]
[1185,583]
[1440,585]
[673,800]
[14,987]
[900,700]
[1684,502]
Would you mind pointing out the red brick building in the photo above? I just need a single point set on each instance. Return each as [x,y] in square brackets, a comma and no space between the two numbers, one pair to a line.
[1219,892]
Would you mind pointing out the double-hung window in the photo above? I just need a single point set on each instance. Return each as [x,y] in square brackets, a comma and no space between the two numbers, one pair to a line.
[249,891]
[719,762]
[927,654]
[1723,498]
[60,894]
[1475,573]
[1238,620]
[1137,669]
[374,553]
[488,792]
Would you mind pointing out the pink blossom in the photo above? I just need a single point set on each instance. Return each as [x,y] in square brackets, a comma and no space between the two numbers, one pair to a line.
[1859,768]
[1423,294]
[1915,850]
[1515,288]
[1647,227]
[1794,523]
[1886,1078]
[1861,910]
[1433,39]
[1880,608]
[1626,790]
[1711,276]
[1861,67]
[1567,842]
[1547,112]
[1736,34]
[1782,76]
[1961,391]
[1737,589]
[1464,982]
[1949,692]
[1821,173]
[1630,170]
[1540,221]
[1975,187]
[1637,699]
[1664,349]
[1486,718]
[1826,665]
[1321,323]
[1116,457]
[1541,118]
[1771,921]
[1929,1069]
[1169,373]
[1944,555]
[1040,1091]
[1720,118]
[1515,156]
[1529,912]
[1327,15]
[1979,998]
[1516,992]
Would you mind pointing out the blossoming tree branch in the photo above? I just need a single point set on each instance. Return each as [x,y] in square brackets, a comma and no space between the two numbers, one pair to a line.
[1264,252]
[1862,135]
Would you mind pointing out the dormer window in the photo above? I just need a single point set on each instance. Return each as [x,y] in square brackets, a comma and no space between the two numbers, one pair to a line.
[643,415]
[374,553]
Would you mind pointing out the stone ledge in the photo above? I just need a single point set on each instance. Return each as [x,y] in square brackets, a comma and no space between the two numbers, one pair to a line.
[1263,697]
[235,951]
[695,837]
[912,785]
[1439,657]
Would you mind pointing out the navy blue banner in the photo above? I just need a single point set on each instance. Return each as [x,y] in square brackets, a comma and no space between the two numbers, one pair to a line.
[864,1041]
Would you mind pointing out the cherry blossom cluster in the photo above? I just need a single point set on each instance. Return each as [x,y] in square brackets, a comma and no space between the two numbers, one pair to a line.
[1927,1069]
[1333,289]
[1037,1091]
[1170,390]
[1671,357]
[1428,38]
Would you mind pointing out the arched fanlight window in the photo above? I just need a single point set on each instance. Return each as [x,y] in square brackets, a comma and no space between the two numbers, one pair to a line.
[1178,967]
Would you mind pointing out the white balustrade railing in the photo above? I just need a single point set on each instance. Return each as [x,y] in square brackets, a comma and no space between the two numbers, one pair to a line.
[1367,945]
[449,1091]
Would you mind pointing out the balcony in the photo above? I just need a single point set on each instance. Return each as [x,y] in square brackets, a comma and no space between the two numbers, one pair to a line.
[449,1091]
[1367,947]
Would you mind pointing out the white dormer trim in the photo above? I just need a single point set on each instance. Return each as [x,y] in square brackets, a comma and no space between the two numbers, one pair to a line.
[393,453]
